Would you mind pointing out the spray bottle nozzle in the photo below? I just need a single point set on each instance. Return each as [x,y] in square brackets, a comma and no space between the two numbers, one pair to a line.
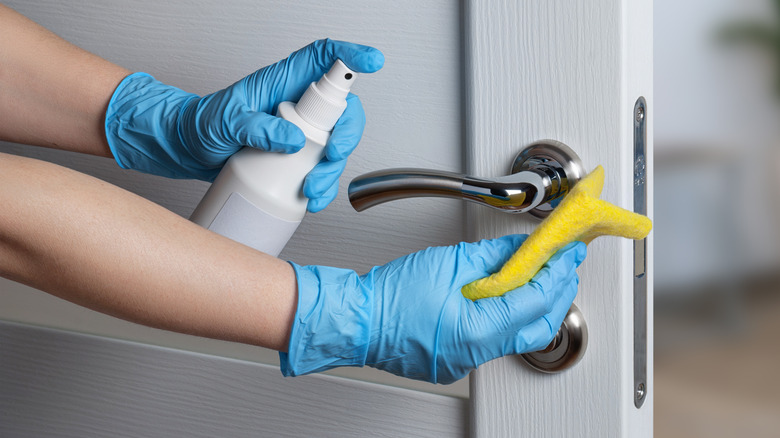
[325,100]
[337,81]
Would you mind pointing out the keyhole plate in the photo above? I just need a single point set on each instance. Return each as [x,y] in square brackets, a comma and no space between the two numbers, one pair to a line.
[566,349]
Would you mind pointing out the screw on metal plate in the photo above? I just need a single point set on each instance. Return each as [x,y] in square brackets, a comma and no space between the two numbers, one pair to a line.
[639,114]
[640,392]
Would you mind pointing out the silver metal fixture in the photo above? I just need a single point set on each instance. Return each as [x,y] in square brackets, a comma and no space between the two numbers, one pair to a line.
[640,255]
[566,349]
[541,175]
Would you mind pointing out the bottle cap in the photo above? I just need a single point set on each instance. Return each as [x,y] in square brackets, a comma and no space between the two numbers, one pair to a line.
[325,100]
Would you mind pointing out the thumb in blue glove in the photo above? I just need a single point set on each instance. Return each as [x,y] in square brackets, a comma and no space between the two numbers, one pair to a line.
[409,317]
[160,129]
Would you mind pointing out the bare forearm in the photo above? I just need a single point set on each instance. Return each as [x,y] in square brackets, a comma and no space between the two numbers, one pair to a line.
[104,248]
[54,94]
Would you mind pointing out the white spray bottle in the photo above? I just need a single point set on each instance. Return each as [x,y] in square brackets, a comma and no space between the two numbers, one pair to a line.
[257,198]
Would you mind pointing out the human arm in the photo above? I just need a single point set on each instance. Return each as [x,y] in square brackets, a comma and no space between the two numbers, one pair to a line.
[107,249]
[58,95]
[101,247]
[54,94]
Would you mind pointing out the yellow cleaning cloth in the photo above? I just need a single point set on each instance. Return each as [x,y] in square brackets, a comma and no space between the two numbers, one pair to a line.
[580,216]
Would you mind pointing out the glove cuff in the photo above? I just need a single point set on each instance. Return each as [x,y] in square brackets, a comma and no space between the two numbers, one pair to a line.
[332,321]
[141,125]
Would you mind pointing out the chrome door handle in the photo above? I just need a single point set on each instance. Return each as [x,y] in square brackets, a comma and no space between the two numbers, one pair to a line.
[541,174]
[515,193]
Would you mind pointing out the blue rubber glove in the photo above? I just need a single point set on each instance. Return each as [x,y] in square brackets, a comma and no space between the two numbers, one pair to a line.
[160,129]
[409,318]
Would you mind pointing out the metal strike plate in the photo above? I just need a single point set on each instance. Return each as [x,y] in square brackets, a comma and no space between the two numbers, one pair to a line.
[640,255]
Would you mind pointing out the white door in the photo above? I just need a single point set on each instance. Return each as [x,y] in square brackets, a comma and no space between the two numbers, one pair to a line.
[571,71]
[490,75]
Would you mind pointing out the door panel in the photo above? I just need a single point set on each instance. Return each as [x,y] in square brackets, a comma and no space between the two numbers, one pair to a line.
[62,384]
[413,107]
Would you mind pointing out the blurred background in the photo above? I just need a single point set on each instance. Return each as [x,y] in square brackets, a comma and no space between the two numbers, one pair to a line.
[717,224]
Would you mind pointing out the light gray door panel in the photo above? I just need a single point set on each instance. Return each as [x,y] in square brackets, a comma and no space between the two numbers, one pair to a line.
[64,384]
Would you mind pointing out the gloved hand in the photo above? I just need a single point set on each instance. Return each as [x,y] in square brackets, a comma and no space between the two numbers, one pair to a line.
[409,317]
[160,129]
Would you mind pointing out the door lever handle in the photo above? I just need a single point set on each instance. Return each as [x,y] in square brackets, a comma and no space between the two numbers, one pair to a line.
[541,174]
[516,193]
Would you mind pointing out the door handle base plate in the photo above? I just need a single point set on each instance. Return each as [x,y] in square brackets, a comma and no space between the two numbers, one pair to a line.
[561,164]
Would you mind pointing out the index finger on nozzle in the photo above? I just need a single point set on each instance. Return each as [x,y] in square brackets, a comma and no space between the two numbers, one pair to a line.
[360,58]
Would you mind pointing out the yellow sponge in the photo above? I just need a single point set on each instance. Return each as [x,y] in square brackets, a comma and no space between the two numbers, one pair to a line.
[580,216]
